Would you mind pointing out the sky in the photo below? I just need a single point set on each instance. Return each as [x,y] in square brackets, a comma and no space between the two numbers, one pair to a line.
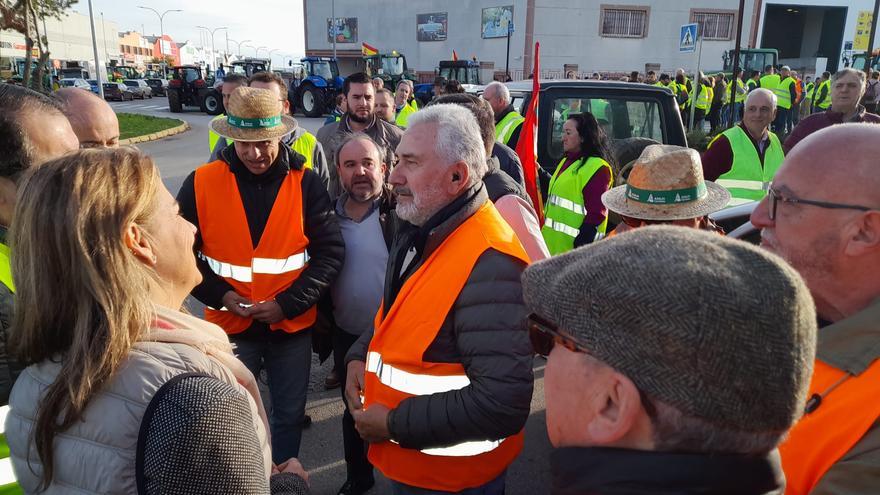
[274,24]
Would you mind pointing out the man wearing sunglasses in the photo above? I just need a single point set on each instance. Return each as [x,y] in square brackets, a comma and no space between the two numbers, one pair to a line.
[822,215]
[666,186]
[668,375]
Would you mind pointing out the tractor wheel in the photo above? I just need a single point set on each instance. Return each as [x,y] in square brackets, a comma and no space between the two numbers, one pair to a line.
[311,100]
[212,103]
[174,102]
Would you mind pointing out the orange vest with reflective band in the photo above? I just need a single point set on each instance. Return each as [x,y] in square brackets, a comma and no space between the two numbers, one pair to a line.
[824,436]
[395,370]
[260,273]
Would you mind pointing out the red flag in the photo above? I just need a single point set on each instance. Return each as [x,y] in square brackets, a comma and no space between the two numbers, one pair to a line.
[527,146]
[454,56]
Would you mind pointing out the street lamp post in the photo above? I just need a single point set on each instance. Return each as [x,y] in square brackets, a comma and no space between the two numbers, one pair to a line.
[270,57]
[161,33]
[98,67]
[257,53]
[213,52]
[239,43]
[253,47]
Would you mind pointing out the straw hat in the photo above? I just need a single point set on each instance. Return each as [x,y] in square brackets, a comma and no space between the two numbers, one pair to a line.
[666,183]
[252,115]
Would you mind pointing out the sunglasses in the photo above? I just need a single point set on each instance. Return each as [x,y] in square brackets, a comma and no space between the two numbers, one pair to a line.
[776,197]
[545,334]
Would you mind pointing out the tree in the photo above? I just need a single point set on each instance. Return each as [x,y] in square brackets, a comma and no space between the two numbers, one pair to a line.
[24,16]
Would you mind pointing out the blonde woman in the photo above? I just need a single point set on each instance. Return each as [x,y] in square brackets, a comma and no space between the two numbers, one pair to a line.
[123,392]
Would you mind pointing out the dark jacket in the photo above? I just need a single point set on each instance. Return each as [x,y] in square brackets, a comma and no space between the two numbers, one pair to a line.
[499,184]
[608,471]
[820,120]
[509,162]
[484,331]
[258,193]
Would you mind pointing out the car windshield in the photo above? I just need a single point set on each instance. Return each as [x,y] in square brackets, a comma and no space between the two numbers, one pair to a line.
[67,82]
[393,66]
[324,70]
[620,118]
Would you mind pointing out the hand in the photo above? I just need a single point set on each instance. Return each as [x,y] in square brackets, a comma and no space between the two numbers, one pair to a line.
[267,312]
[372,423]
[291,465]
[354,384]
[231,302]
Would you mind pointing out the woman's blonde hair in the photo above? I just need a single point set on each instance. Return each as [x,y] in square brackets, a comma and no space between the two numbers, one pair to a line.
[81,295]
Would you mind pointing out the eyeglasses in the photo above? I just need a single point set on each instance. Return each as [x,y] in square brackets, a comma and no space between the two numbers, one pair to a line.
[775,197]
[544,334]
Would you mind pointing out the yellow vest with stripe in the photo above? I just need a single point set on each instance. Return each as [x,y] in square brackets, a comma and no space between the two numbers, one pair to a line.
[783,93]
[704,99]
[770,81]
[810,87]
[505,127]
[403,115]
[213,137]
[564,212]
[748,179]
[824,104]
[5,268]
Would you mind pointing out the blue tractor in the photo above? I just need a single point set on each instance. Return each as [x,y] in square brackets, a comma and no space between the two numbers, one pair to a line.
[315,85]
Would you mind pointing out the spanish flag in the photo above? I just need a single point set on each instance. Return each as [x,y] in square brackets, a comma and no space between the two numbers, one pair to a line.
[454,56]
[367,50]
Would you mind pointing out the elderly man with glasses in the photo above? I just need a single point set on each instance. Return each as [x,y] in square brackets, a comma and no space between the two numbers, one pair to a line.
[670,375]
[823,216]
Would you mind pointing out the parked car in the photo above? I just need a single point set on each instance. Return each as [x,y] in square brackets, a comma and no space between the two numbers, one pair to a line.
[117,91]
[93,84]
[71,82]
[158,85]
[139,88]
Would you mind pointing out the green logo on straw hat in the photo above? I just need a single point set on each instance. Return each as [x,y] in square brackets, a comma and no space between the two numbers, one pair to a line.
[670,197]
[253,123]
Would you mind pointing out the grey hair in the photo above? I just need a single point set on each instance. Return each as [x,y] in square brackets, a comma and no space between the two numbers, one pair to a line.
[849,71]
[501,91]
[675,431]
[407,82]
[762,91]
[458,137]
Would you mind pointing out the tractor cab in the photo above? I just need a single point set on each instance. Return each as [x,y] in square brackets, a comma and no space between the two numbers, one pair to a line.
[391,67]
[750,59]
[249,66]
[463,71]
[315,85]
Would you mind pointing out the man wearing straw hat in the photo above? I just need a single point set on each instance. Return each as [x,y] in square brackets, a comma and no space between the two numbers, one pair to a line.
[268,247]
[666,186]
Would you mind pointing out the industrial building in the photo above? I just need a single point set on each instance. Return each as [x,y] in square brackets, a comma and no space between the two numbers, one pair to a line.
[585,36]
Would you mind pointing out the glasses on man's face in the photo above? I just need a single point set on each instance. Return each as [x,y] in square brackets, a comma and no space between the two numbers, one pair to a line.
[776,197]
[544,334]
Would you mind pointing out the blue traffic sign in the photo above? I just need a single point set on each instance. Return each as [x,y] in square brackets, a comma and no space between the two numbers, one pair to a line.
[687,41]
[510,27]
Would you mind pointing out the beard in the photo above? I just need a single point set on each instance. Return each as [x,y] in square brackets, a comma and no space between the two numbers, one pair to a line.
[360,120]
[363,195]
[420,207]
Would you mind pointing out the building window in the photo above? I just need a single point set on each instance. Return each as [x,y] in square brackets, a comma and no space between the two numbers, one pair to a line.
[624,21]
[715,25]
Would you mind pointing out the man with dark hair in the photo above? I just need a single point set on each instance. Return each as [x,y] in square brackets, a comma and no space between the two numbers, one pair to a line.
[385,105]
[360,117]
[230,83]
[33,130]
[300,140]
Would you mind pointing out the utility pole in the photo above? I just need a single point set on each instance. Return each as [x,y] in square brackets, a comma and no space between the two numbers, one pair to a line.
[98,66]
[238,44]
[507,62]
[213,52]
[333,24]
[734,85]
[869,57]
[161,34]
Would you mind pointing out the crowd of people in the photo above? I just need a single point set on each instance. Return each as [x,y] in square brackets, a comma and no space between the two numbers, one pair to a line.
[678,360]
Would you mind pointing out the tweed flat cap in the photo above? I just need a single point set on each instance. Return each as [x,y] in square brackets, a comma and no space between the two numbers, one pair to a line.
[715,327]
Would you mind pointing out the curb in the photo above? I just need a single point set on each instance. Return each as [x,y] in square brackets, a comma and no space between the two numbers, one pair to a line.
[156,135]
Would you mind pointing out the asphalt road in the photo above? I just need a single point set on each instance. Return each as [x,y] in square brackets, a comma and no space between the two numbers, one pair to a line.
[321,450]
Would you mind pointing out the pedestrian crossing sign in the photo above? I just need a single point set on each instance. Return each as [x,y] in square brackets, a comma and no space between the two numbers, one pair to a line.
[688,38]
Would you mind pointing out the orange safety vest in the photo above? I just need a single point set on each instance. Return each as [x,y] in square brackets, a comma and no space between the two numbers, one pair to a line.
[395,370]
[848,409]
[260,273]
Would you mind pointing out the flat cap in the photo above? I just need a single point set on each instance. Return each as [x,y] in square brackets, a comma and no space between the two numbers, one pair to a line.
[717,328]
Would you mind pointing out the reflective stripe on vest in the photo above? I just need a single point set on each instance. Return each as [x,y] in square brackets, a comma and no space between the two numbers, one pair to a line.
[403,115]
[848,409]
[748,179]
[7,475]
[305,146]
[396,370]
[565,211]
[783,93]
[505,127]
[810,88]
[740,97]
[704,99]
[256,273]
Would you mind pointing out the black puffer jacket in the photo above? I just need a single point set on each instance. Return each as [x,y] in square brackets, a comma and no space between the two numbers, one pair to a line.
[258,192]
[485,331]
